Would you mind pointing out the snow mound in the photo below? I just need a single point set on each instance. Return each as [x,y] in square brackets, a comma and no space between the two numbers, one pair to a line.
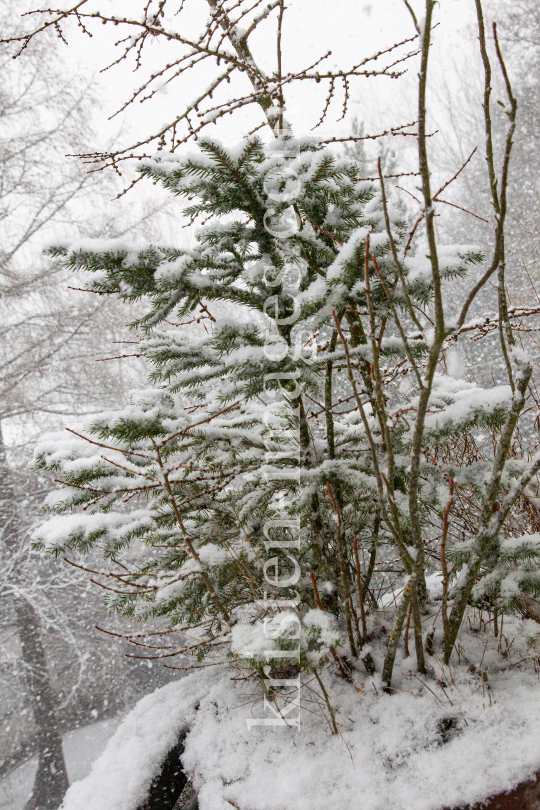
[453,737]
[121,776]
[405,751]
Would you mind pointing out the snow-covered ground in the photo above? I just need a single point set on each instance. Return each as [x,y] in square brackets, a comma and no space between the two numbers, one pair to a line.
[81,747]
[451,737]
[454,736]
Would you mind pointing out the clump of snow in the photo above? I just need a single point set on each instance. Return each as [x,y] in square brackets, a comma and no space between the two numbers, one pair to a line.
[434,584]
[250,640]
[457,403]
[456,363]
[61,530]
[322,626]
[346,254]
[519,355]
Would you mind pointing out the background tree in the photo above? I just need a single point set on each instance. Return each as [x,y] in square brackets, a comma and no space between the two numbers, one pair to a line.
[50,339]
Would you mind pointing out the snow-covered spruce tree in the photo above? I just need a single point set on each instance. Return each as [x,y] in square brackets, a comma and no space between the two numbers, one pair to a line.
[303,441]
[216,456]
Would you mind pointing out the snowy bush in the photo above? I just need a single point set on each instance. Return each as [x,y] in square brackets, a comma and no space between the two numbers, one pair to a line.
[239,494]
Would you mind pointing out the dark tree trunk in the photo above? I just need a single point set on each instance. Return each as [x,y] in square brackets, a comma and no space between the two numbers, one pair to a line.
[51,781]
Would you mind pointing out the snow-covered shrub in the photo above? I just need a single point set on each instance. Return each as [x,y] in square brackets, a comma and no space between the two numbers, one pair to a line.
[228,495]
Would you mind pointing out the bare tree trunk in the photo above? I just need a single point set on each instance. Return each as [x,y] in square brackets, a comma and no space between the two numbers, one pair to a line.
[51,781]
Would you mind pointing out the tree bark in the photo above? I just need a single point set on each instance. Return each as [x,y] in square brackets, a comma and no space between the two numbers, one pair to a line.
[51,781]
